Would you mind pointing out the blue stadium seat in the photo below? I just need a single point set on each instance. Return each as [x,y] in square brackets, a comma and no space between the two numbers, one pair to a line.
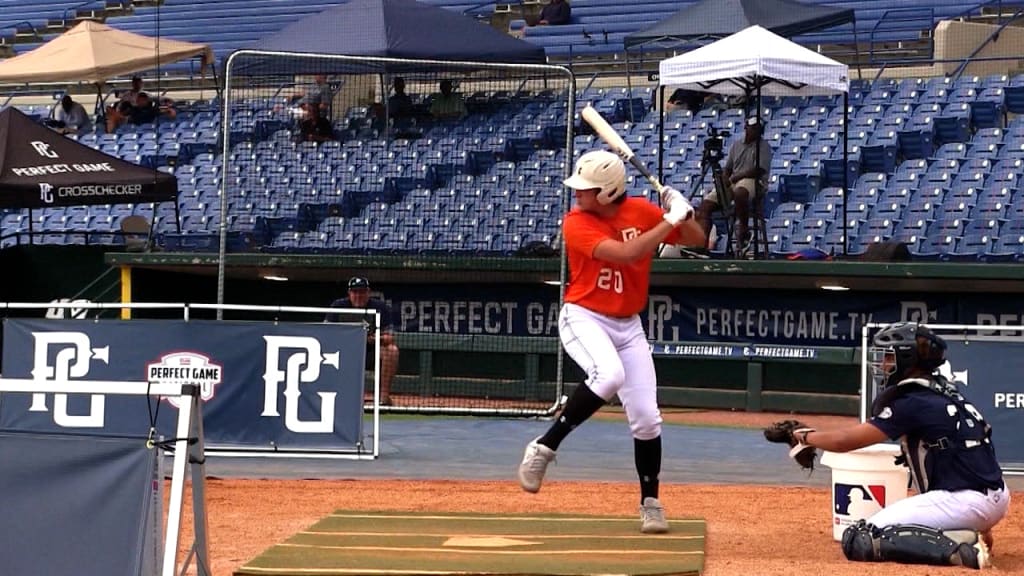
[879,157]
[1006,247]
[915,143]
[884,210]
[1013,99]
[973,246]
[934,248]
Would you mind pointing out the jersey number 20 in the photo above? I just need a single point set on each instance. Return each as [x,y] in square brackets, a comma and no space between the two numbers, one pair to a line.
[609,279]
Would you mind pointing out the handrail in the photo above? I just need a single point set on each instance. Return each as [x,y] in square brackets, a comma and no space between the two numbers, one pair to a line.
[977,7]
[95,281]
[991,37]
[17,25]
[467,11]
[897,13]
[74,9]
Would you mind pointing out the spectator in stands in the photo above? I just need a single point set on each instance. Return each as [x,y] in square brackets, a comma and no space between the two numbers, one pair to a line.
[447,104]
[745,176]
[70,117]
[131,96]
[400,104]
[319,95]
[554,13]
[146,110]
[315,127]
[691,100]
[359,297]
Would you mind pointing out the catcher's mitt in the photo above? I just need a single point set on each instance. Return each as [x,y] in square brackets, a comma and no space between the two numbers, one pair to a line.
[789,432]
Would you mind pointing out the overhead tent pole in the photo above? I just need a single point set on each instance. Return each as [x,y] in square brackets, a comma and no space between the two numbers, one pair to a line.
[856,51]
[846,163]
[659,94]
[752,203]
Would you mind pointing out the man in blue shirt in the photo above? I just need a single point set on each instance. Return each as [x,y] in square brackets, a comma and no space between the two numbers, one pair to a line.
[946,444]
[359,298]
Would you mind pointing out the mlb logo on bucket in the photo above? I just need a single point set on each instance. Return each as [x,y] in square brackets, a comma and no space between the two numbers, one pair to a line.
[857,501]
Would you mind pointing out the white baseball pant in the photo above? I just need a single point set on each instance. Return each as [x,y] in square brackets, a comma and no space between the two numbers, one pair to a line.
[945,510]
[617,359]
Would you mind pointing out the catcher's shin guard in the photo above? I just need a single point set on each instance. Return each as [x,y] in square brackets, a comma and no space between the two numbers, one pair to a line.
[912,544]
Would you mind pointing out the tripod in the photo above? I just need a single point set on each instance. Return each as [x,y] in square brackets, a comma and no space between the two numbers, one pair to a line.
[710,162]
[758,242]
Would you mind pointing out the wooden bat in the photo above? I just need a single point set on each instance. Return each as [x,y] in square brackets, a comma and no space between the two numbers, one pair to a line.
[617,144]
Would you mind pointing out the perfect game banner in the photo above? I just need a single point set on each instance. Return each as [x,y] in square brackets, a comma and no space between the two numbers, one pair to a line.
[988,374]
[671,315]
[265,386]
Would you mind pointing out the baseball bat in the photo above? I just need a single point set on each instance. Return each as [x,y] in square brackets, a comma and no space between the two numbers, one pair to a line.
[617,144]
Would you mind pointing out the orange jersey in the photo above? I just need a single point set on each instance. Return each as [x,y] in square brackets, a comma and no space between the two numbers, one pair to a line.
[607,288]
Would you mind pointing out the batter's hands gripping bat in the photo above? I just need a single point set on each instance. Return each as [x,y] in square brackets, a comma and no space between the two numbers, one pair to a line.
[618,145]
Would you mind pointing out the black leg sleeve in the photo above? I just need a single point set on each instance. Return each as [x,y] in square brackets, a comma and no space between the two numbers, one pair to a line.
[648,465]
[581,405]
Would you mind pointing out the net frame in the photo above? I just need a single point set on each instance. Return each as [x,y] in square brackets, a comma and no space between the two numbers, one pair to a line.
[258,72]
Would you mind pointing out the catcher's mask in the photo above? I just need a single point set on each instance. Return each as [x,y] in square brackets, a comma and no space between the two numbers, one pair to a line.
[901,348]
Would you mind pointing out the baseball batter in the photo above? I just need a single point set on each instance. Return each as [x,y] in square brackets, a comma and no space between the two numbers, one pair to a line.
[947,446]
[610,240]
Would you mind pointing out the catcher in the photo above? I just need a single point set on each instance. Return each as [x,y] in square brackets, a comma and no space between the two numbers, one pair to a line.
[945,442]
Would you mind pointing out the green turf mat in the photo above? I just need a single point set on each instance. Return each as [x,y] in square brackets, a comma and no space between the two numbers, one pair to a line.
[399,543]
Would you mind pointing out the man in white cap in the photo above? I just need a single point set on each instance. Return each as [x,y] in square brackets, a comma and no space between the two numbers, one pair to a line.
[746,174]
[610,241]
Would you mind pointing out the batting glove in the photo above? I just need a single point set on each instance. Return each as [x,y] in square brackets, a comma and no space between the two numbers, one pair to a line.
[679,210]
[668,195]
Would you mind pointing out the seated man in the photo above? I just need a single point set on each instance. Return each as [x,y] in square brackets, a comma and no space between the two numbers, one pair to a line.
[554,13]
[70,117]
[131,96]
[314,127]
[359,297]
[691,100]
[746,166]
[317,95]
[145,111]
[400,104]
[447,105]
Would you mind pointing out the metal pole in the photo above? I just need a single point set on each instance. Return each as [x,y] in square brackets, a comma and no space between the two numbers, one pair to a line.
[223,224]
[846,162]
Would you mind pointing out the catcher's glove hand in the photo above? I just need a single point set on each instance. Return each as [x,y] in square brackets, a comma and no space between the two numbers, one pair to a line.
[791,432]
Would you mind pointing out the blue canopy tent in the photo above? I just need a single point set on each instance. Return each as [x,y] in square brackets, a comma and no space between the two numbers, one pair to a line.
[716,19]
[390,29]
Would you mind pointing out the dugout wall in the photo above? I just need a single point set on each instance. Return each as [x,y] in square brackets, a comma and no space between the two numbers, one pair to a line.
[435,178]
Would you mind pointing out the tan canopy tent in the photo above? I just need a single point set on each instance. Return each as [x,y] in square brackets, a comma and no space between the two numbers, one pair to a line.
[94,52]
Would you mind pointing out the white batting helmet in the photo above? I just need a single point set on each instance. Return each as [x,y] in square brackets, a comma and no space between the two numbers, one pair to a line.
[602,170]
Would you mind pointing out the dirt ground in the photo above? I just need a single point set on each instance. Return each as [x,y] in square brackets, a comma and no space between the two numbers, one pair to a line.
[752,530]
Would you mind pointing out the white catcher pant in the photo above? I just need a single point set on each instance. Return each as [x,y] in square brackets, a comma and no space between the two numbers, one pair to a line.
[944,510]
[617,359]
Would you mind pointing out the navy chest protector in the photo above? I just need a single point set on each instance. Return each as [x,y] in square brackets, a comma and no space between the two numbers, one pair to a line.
[925,456]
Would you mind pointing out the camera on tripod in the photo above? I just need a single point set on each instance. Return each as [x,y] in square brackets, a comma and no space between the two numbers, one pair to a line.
[714,146]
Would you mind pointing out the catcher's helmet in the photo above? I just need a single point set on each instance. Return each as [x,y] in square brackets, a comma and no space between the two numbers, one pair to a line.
[601,170]
[902,347]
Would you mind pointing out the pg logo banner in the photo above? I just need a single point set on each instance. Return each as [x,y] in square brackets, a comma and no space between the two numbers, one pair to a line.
[265,386]
[293,361]
[67,356]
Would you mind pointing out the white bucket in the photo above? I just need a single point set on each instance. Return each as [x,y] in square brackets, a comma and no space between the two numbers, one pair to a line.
[863,482]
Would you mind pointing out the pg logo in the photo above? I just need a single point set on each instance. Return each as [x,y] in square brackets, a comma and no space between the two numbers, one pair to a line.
[301,358]
[45,193]
[72,354]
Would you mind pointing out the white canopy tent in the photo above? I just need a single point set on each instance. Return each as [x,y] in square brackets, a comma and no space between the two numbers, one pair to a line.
[757,62]
[755,58]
